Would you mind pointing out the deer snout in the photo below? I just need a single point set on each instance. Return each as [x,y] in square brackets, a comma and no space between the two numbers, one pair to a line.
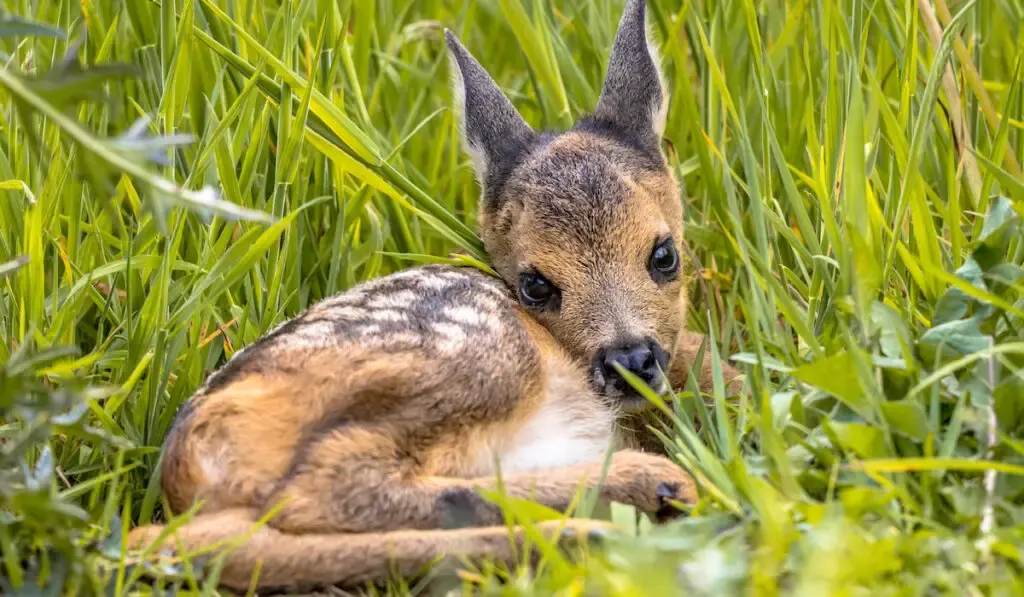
[645,359]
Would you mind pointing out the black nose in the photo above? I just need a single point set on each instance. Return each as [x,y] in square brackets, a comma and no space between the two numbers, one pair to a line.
[641,358]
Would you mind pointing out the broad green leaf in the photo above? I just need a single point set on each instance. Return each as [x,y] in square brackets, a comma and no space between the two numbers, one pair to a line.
[951,340]
[907,417]
[866,441]
[836,375]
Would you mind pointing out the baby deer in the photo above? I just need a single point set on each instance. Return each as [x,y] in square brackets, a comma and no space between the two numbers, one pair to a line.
[371,420]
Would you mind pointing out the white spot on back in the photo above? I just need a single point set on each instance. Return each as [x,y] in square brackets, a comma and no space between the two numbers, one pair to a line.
[386,315]
[390,300]
[348,312]
[308,335]
[399,339]
[450,337]
[470,316]
[489,304]
[495,291]
[453,276]
[434,283]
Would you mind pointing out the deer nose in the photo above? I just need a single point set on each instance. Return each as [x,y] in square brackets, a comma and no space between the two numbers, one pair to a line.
[642,358]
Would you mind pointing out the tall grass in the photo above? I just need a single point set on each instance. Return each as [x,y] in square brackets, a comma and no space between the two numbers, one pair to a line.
[178,176]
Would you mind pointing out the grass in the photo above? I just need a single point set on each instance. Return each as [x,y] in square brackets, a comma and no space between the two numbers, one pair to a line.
[854,213]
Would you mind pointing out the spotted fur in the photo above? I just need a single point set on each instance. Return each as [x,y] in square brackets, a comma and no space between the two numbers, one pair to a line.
[370,421]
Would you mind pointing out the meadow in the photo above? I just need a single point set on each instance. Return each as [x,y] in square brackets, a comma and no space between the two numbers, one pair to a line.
[179,176]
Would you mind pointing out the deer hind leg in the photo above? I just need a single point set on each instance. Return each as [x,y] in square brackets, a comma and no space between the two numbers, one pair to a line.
[353,479]
[350,561]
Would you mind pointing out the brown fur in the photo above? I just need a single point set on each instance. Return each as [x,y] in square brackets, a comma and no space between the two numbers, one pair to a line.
[397,440]
[370,422]
[596,253]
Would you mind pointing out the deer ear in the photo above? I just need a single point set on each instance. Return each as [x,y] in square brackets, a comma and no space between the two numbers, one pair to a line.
[633,98]
[493,132]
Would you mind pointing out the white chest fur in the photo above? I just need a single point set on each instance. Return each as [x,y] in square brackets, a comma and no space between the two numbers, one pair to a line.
[558,437]
[572,426]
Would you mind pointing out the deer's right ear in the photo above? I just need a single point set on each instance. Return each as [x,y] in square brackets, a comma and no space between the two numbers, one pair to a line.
[494,133]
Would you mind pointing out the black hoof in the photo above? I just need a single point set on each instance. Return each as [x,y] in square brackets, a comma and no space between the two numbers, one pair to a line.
[462,507]
[666,492]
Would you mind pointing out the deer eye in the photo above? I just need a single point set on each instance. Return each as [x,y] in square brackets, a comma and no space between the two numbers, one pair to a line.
[536,291]
[664,265]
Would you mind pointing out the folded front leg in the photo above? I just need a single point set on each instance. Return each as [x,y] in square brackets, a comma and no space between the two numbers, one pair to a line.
[356,479]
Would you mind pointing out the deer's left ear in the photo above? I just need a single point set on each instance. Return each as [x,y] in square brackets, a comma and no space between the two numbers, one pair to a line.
[633,99]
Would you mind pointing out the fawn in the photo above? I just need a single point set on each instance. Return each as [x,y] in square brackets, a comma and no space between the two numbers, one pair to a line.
[372,419]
